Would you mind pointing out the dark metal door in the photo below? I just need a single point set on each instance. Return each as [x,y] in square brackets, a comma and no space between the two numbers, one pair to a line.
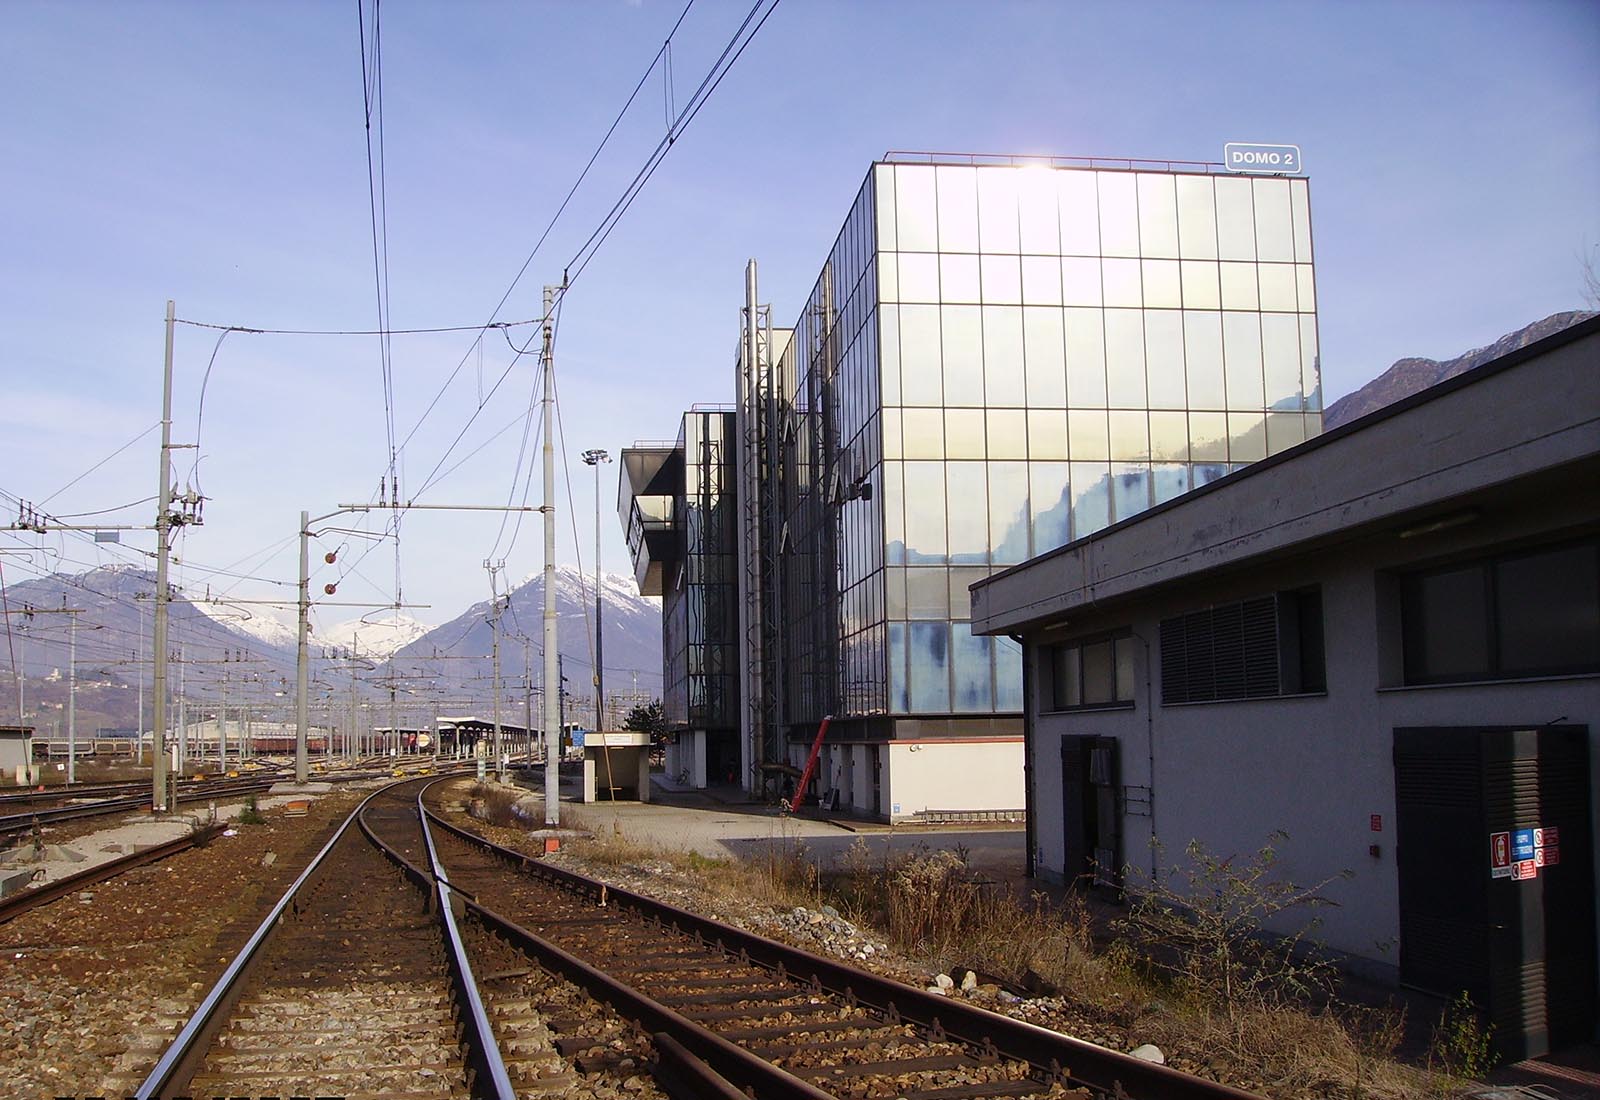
[1091,813]
[1519,938]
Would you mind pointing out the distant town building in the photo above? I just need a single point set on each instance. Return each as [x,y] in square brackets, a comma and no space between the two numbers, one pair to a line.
[1000,355]
[1384,643]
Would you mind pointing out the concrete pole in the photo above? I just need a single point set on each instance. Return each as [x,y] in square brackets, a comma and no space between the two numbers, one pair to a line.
[138,741]
[158,735]
[183,712]
[72,699]
[302,658]
[552,721]
[499,748]
[527,694]
[222,728]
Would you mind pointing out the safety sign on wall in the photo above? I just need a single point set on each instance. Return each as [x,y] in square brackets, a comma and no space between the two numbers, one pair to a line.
[1519,853]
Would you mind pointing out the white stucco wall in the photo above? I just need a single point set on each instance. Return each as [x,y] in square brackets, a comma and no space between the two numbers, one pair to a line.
[952,775]
[1316,767]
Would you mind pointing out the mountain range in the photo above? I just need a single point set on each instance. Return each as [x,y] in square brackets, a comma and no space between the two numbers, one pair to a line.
[220,647]
[1412,375]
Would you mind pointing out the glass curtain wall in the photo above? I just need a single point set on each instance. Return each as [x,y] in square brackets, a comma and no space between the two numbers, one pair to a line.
[1060,349]
[997,360]
[831,546]
[699,603]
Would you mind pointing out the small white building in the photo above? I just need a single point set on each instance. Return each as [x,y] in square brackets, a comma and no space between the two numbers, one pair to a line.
[1384,642]
[16,749]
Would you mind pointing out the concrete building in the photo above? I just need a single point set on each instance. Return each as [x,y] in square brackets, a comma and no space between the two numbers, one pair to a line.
[16,752]
[1384,642]
[1000,355]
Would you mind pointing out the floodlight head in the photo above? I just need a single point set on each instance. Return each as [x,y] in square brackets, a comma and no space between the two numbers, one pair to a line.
[595,457]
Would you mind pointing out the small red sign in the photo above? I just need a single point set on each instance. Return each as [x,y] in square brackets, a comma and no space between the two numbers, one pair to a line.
[1500,849]
[1377,823]
[1547,837]
[1548,856]
[1524,870]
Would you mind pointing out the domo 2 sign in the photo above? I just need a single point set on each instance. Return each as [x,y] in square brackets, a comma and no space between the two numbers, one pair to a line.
[1263,160]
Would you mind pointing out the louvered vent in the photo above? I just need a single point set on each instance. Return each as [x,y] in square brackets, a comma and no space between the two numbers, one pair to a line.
[1219,653]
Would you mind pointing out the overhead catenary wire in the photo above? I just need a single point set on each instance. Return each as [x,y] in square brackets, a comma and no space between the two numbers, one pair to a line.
[99,464]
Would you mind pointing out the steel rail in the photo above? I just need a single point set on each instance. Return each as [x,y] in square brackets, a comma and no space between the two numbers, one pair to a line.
[32,898]
[693,1062]
[483,1050]
[183,1057]
[1071,1061]
[726,1059]
[16,823]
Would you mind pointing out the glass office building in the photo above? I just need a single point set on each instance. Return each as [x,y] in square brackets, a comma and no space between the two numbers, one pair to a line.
[679,507]
[999,359]
[1002,355]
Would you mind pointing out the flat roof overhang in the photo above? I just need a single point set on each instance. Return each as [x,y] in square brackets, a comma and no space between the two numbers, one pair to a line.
[1528,422]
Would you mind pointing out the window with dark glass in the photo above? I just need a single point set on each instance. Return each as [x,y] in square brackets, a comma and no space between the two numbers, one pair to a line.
[1097,672]
[1531,613]
[1260,648]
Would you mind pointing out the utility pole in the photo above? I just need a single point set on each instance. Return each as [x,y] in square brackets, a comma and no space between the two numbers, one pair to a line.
[302,659]
[595,458]
[552,727]
[495,607]
[72,698]
[158,742]
[527,693]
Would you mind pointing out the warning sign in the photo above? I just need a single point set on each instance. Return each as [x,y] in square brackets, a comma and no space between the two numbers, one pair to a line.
[1547,856]
[1500,855]
[1547,837]
[1525,869]
[1522,844]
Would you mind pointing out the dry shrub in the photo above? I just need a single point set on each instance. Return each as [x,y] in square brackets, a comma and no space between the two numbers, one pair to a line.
[497,805]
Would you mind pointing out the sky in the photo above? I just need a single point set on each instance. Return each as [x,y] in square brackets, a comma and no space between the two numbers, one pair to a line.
[216,155]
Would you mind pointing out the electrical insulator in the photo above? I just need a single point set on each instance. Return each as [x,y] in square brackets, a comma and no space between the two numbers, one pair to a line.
[330,589]
[330,557]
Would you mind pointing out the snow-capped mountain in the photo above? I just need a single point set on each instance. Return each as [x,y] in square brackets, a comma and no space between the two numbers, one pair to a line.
[459,649]
[387,632]
[255,622]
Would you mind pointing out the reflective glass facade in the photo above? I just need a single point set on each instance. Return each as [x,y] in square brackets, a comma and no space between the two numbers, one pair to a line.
[997,360]
[698,598]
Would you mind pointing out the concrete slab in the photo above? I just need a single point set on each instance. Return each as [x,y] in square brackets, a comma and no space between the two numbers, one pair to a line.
[132,832]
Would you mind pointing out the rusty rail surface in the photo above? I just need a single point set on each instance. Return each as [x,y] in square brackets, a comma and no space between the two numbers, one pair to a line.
[1056,1056]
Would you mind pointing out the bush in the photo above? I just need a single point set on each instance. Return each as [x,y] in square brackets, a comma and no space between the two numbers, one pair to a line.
[1205,926]
[250,815]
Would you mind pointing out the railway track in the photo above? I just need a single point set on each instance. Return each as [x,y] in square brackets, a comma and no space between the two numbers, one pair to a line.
[749,1005]
[429,962]
[362,983]
[349,988]
[11,824]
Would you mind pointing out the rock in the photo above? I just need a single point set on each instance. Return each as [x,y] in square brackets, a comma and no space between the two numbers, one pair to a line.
[944,982]
[1009,998]
[269,858]
[1149,1052]
[988,989]
[940,990]
[830,911]
[969,981]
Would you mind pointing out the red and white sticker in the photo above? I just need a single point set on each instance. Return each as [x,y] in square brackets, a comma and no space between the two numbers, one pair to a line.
[1546,838]
[1548,856]
[1524,870]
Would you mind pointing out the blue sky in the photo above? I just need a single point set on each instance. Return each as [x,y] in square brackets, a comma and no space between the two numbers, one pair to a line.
[215,154]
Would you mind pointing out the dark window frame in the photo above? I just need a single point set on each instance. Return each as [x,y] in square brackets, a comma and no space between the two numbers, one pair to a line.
[1487,567]
[1051,701]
